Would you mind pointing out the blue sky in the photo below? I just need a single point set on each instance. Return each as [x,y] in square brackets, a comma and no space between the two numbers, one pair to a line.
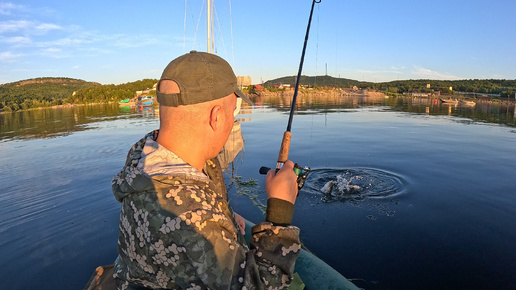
[114,42]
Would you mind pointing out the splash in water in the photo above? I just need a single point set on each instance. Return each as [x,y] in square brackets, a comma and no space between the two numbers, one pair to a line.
[361,187]
[341,186]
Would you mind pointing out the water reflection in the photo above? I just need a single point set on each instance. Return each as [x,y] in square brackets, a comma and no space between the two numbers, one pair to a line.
[62,121]
[319,100]
[502,112]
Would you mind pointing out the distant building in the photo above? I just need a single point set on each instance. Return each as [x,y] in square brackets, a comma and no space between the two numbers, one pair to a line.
[418,94]
[145,92]
[243,82]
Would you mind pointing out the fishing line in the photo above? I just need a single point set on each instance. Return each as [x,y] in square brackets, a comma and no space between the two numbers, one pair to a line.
[317,46]
[301,172]
[296,90]
[316,56]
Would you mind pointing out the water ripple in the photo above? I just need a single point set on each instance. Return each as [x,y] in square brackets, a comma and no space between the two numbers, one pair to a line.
[361,187]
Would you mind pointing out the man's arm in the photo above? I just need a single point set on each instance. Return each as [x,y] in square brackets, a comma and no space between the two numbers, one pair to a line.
[274,245]
[187,237]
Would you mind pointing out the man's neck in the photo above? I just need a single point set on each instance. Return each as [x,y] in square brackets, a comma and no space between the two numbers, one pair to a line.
[190,152]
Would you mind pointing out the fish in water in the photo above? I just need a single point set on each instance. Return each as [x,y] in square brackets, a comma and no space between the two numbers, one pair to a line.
[341,186]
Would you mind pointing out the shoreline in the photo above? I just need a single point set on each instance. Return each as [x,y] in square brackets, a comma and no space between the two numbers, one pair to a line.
[68,105]
[311,93]
[370,94]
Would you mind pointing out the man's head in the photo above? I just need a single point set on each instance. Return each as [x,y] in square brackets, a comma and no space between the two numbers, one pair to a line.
[200,77]
[197,95]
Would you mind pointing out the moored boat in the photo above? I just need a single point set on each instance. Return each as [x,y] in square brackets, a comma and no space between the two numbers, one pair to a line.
[467,103]
[127,102]
[449,101]
[145,101]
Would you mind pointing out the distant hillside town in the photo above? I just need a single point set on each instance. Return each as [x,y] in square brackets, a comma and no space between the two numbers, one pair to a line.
[47,92]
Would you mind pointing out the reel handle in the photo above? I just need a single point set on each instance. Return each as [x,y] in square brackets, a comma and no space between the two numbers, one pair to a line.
[302,173]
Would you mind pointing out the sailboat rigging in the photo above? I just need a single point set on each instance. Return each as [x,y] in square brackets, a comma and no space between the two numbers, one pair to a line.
[214,28]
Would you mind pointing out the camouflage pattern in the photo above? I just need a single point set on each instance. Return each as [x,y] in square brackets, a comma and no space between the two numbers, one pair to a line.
[179,232]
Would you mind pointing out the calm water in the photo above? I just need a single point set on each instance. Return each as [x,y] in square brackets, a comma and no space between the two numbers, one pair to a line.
[437,209]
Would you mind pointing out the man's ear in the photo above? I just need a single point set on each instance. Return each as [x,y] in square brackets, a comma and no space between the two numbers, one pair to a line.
[215,117]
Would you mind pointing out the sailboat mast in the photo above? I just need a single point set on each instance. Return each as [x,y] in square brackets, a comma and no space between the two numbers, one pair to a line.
[210,24]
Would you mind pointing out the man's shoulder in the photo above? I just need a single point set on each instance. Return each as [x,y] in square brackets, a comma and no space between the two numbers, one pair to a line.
[187,192]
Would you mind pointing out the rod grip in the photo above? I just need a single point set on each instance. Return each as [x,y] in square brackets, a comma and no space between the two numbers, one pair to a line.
[285,147]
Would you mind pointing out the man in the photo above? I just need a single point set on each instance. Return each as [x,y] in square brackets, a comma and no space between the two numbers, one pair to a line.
[177,229]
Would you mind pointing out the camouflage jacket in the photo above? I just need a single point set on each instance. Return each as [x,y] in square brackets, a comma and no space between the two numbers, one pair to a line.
[179,232]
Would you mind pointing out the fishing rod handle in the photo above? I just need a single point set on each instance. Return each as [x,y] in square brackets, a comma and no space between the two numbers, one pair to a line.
[285,147]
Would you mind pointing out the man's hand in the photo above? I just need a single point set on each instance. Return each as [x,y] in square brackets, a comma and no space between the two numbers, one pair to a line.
[241,223]
[282,184]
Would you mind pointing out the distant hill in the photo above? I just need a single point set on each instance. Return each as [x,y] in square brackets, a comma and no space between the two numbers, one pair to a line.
[46,92]
[60,87]
[59,81]
[502,88]
[112,93]
[39,92]
[315,80]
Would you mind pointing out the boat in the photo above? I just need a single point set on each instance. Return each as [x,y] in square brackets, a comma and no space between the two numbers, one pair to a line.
[310,272]
[449,101]
[467,103]
[314,272]
[127,103]
[145,101]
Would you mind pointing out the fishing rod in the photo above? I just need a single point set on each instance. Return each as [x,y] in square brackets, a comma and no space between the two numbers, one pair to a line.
[302,173]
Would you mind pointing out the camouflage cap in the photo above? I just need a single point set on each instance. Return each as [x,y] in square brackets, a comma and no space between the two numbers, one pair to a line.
[201,77]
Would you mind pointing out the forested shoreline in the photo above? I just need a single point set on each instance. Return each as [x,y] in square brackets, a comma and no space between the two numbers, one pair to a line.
[502,88]
[48,92]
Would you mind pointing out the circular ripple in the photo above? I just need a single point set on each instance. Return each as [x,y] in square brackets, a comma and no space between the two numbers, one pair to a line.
[353,184]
